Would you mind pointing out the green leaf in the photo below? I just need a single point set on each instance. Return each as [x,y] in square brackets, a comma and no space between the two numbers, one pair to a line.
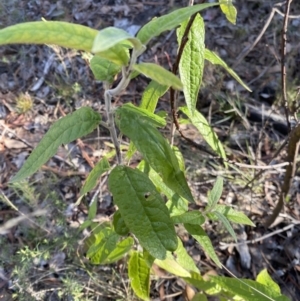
[101,167]
[199,121]
[232,215]
[121,249]
[155,150]
[170,265]
[216,60]
[159,74]
[192,61]
[264,278]
[249,290]
[199,234]
[168,22]
[175,204]
[226,223]
[229,10]
[104,69]
[105,243]
[143,115]
[143,210]
[199,297]
[118,55]
[215,194]
[92,210]
[179,157]
[190,217]
[139,275]
[119,224]
[184,259]
[151,95]
[111,36]
[149,101]
[50,32]
[209,287]
[148,258]
[67,129]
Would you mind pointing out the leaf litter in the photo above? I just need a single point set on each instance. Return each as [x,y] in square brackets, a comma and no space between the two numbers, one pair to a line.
[64,83]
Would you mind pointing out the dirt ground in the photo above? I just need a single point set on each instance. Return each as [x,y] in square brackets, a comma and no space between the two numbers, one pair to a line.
[39,84]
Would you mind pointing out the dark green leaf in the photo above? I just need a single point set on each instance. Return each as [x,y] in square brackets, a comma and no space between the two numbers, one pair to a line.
[67,129]
[208,134]
[215,194]
[226,223]
[101,167]
[155,149]
[190,217]
[199,234]
[119,224]
[143,210]
[233,215]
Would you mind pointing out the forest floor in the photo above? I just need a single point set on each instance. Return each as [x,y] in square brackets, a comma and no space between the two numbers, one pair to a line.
[39,84]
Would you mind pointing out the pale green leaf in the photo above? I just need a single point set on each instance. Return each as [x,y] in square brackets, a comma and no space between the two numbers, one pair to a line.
[199,234]
[249,290]
[190,217]
[216,60]
[105,242]
[143,115]
[67,129]
[215,194]
[103,69]
[101,167]
[208,134]
[209,287]
[233,215]
[168,22]
[121,249]
[155,150]
[264,278]
[63,34]
[192,61]
[226,223]
[139,275]
[184,259]
[229,10]
[143,210]
[111,36]
[159,74]
[151,95]
[119,55]
[170,265]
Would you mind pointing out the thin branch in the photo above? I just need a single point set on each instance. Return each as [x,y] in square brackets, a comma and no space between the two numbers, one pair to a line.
[283,59]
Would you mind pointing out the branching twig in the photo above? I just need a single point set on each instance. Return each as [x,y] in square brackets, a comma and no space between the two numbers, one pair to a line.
[247,50]
[253,241]
[293,148]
